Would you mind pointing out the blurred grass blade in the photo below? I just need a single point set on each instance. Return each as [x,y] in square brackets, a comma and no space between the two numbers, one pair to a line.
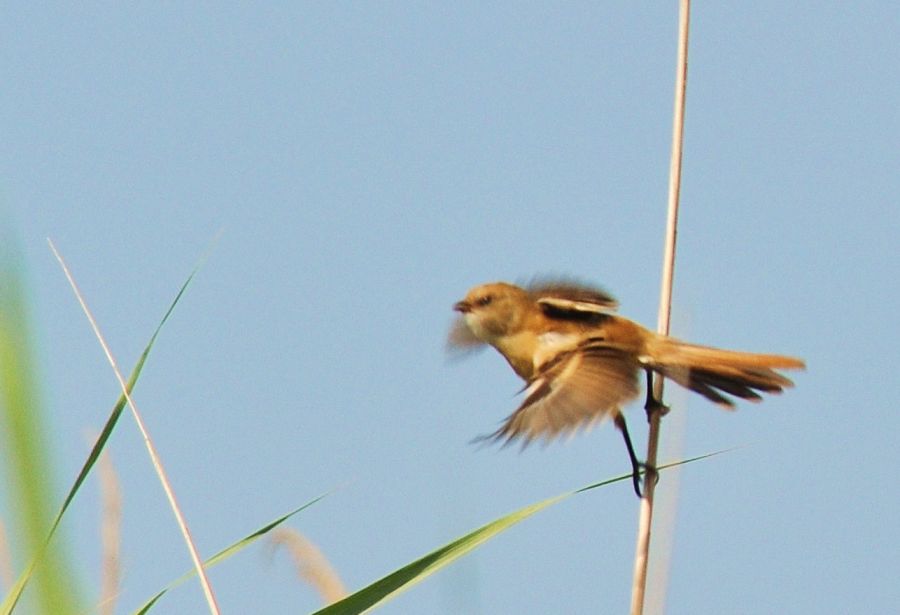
[25,452]
[400,580]
[15,592]
[226,553]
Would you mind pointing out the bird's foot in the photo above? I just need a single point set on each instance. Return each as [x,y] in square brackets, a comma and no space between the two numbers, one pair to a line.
[639,476]
[653,405]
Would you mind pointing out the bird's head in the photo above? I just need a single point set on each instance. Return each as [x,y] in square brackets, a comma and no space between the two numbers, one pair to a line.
[493,310]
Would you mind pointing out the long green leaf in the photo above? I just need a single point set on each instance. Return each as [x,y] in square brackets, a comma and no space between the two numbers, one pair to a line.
[226,553]
[24,449]
[400,580]
[15,593]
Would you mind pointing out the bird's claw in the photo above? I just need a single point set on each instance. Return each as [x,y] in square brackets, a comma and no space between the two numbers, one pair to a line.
[653,405]
[646,471]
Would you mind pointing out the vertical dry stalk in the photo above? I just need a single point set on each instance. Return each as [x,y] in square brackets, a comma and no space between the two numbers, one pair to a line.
[642,549]
[110,535]
[311,564]
[148,441]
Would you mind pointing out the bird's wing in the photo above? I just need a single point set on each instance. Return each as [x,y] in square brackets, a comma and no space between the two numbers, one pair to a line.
[565,299]
[574,390]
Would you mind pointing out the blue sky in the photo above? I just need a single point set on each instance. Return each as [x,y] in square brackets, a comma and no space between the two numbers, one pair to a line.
[366,165]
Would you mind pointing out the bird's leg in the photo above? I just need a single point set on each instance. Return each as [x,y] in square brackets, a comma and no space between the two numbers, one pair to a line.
[652,404]
[636,466]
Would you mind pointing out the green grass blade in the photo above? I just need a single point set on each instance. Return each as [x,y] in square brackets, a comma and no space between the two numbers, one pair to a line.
[25,451]
[226,553]
[18,587]
[400,580]
[412,573]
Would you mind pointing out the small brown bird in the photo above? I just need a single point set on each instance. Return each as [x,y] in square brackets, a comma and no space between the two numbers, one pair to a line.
[580,360]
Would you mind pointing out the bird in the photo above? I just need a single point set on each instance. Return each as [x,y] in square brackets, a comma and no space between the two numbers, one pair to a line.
[580,360]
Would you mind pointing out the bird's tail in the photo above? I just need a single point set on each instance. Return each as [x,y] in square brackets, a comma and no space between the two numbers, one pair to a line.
[713,372]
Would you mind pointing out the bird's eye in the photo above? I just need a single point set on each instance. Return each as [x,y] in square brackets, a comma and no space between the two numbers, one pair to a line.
[485,300]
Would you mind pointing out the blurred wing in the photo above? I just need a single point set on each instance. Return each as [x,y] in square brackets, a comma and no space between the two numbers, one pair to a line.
[574,390]
[563,299]
[460,339]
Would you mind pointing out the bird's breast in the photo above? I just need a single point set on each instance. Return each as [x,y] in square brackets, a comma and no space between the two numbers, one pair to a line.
[519,350]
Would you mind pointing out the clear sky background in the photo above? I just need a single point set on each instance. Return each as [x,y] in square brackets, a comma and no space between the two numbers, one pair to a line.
[367,164]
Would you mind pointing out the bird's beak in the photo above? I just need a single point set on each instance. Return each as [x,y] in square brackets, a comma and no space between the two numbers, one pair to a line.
[462,306]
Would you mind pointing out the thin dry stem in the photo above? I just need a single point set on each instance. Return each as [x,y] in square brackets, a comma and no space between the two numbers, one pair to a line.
[642,549]
[311,565]
[110,535]
[148,442]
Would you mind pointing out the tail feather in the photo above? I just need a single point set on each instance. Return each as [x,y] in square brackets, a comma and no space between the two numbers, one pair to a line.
[713,372]
[732,385]
[701,387]
[767,380]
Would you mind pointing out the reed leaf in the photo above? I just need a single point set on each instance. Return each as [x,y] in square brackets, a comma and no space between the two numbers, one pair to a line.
[15,593]
[402,579]
[225,554]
